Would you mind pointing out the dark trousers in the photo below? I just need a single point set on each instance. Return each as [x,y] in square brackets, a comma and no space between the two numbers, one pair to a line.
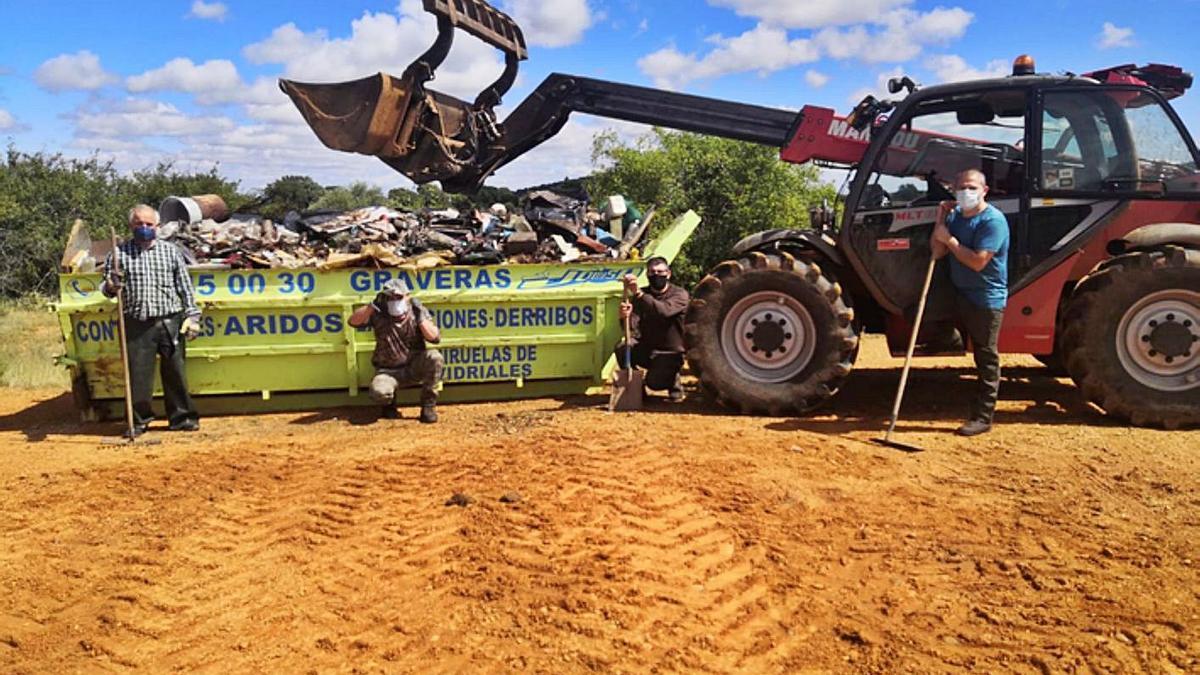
[145,340]
[983,327]
[423,368]
[662,368]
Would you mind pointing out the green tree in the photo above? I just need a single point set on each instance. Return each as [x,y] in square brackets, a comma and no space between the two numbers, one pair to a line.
[151,186]
[432,196]
[404,199]
[427,196]
[41,195]
[488,195]
[289,193]
[354,196]
[907,192]
[737,188]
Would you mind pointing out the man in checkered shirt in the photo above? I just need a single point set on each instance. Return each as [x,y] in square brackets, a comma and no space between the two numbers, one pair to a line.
[160,312]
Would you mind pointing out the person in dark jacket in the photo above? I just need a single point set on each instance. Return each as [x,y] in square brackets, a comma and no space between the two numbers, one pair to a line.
[403,327]
[656,314]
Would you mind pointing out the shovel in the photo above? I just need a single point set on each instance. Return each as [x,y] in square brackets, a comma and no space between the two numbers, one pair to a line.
[627,381]
[128,438]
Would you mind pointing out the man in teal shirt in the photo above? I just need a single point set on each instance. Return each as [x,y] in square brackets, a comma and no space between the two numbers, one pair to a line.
[975,235]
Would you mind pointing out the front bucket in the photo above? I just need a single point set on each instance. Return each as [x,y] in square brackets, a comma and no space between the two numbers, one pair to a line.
[428,136]
[362,116]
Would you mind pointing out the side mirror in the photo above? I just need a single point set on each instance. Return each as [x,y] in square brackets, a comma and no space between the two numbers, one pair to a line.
[896,84]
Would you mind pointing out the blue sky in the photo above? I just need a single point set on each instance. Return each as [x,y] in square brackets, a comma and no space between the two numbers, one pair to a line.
[194,82]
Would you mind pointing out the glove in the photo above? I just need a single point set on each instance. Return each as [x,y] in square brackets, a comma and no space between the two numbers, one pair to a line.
[115,281]
[380,302]
[190,328]
[631,284]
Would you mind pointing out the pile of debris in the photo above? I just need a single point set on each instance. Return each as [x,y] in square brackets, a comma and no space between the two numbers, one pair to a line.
[552,228]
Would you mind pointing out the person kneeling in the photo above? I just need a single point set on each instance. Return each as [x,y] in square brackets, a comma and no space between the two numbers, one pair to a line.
[656,314]
[403,327]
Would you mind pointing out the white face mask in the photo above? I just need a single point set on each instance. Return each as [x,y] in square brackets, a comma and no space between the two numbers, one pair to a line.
[398,308]
[969,199]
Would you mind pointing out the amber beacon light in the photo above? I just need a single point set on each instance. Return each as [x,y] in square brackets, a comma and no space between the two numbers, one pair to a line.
[1023,65]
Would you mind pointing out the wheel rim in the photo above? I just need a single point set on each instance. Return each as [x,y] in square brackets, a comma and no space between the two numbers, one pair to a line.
[768,336]
[1158,340]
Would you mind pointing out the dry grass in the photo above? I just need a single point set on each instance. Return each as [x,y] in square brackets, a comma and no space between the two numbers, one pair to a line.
[29,340]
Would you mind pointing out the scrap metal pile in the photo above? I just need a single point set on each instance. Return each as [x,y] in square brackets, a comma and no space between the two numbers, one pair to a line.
[552,228]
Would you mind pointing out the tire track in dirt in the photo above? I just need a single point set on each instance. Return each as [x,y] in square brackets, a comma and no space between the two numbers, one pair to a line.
[332,549]
[637,545]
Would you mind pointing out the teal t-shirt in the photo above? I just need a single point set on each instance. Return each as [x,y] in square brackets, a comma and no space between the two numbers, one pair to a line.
[985,231]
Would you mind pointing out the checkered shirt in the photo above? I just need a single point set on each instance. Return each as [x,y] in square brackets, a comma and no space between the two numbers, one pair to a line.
[156,281]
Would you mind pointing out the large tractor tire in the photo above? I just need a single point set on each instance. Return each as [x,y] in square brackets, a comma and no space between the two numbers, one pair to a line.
[1053,363]
[770,334]
[1131,337]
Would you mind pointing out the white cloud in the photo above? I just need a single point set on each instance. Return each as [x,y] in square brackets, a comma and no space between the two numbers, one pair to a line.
[7,121]
[1112,36]
[182,75]
[552,23]
[110,145]
[902,36]
[276,113]
[139,118]
[378,42]
[812,13]
[139,131]
[763,49]
[953,68]
[78,71]
[259,153]
[211,82]
[815,79]
[252,153]
[894,36]
[213,11]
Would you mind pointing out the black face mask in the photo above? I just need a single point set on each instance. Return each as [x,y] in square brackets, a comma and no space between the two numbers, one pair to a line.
[658,283]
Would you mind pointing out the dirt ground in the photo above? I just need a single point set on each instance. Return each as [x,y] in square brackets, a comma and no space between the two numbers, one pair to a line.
[678,539]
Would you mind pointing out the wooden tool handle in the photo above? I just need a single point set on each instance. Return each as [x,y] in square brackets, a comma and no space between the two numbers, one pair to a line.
[912,344]
[116,254]
[628,337]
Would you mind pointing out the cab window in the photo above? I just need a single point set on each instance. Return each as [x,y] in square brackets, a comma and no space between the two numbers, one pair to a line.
[944,137]
[1112,140]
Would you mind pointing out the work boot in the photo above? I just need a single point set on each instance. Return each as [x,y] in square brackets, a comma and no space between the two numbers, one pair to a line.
[428,411]
[974,428]
[675,391]
[389,412]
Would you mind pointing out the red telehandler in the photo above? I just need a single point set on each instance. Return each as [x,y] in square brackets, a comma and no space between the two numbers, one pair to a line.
[1096,174]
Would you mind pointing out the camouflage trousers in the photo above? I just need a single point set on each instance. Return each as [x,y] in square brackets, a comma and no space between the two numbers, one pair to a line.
[424,368]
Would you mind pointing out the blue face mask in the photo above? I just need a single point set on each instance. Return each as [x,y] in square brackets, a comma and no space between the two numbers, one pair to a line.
[143,233]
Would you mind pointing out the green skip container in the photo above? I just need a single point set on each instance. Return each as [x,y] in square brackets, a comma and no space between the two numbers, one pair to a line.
[279,339]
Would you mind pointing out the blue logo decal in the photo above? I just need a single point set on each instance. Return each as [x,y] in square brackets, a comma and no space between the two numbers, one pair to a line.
[575,276]
[83,287]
